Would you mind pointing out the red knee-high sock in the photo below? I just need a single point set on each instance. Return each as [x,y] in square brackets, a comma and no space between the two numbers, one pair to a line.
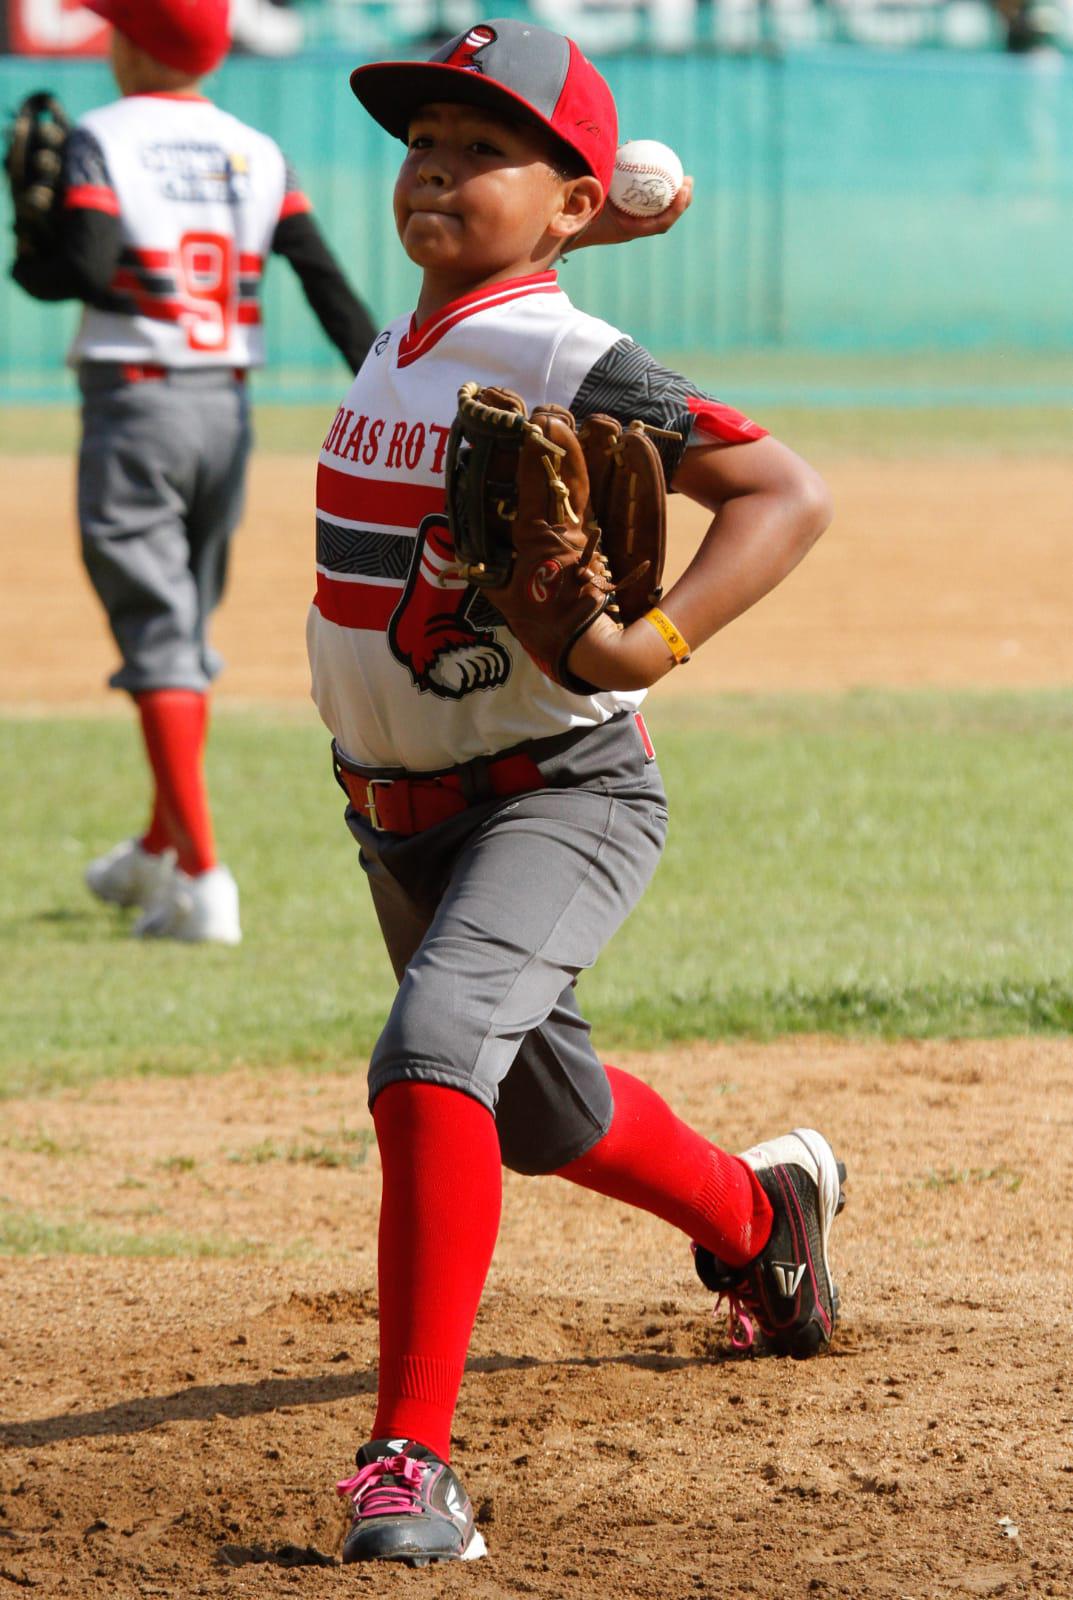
[174,727]
[157,837]
[651,1159]
[439,1217]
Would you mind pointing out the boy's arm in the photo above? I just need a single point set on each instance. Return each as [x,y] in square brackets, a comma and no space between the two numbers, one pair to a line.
[769,508]
[337,308]
[83,259]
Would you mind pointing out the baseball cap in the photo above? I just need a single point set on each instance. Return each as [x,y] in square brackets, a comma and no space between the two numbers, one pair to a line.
[190,35]
[509,66]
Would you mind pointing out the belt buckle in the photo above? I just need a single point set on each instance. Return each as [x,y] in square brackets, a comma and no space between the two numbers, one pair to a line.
[370,801]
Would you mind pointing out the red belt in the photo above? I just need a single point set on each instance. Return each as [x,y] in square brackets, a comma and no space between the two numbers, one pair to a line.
[148,372]
[409,805]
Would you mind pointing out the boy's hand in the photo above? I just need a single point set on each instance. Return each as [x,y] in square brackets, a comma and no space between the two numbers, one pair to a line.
[614,227]
[610,657]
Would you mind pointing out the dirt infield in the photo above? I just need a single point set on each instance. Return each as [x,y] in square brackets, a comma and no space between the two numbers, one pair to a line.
[936,572]
[169,1425]
[173,1425]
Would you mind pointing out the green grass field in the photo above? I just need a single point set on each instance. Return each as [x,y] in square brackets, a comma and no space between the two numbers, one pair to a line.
[881,432]
[867,864]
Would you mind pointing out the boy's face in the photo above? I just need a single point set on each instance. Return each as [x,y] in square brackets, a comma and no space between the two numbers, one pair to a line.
[477,197]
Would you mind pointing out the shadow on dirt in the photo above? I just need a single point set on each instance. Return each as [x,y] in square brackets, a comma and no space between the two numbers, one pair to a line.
[202,1403]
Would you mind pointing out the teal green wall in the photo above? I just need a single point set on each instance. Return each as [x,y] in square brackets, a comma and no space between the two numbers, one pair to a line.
[847,202]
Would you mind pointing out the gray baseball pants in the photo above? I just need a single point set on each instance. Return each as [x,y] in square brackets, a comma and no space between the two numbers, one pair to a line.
[489,918]
[161,481]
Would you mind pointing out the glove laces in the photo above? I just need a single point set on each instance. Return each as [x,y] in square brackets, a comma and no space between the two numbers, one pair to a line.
[371,1496]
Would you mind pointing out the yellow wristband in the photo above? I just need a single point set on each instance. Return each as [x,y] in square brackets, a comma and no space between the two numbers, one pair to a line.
[669,633]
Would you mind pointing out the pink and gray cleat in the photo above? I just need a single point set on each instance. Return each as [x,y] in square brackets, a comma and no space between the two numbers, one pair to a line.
[787,1290]
[407,1506]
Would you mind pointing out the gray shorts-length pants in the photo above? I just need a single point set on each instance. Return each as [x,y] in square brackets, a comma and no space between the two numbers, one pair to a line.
[161,480]
[489,918]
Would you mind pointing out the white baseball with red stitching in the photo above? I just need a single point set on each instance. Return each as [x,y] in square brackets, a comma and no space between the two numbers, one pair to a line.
[646,178]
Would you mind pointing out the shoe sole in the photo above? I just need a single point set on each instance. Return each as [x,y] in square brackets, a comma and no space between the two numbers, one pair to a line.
[473,1552]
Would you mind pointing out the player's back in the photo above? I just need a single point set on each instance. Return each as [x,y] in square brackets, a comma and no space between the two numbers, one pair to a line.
[197,194]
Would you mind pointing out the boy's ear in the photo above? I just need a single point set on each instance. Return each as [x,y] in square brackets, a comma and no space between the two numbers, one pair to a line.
[582,198]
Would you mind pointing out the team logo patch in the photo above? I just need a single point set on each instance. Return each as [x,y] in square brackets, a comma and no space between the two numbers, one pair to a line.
[430,633]
[543,581]
[465,55]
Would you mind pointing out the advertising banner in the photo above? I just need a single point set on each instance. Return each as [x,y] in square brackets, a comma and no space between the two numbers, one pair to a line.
[51,28]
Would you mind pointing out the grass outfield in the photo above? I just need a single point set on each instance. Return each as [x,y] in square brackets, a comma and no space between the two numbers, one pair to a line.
[868,864]
[879,432]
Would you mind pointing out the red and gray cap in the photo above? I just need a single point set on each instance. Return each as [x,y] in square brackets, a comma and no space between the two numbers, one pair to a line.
[190,35]
[510,67]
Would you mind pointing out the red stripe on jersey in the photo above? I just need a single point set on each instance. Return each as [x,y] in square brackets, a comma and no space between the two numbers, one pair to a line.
[146,304]
[723,422]
[248,262]
[92,197]
[293,204]
[356,605]
[417,340]
[390,504]
[248,316]
[154,258]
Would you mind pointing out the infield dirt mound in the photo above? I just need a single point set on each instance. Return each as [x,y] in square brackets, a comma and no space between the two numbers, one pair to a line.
[174,1426]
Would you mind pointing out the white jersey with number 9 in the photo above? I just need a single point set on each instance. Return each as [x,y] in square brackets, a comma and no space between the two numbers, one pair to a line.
[198,195]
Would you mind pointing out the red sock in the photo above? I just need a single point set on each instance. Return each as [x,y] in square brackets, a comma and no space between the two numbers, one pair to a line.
[439,1217]
[651,1159]
[157,837]
[174,727]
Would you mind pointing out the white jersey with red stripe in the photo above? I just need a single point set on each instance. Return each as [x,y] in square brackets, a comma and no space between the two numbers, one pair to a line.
[198,195]
[412,667]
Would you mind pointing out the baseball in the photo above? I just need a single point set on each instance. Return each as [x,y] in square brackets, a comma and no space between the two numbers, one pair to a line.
[646,178]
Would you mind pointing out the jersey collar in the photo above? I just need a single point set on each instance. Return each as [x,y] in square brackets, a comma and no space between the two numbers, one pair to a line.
[417,340]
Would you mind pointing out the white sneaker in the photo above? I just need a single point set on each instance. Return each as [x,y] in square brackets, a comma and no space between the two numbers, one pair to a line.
[129,876]
[201,910]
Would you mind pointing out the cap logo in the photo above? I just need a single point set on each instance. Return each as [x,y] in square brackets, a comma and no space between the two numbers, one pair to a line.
[464,55]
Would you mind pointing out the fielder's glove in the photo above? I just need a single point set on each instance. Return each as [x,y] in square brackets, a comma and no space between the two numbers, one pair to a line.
[557,523]
[33,160]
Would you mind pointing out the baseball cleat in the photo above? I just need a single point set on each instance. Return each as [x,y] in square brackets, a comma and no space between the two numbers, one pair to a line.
[199,910]
[787,1290]
[407,1506]
[128,875]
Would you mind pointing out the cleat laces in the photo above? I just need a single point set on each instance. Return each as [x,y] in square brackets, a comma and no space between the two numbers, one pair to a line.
[372,1495]
[740,1327]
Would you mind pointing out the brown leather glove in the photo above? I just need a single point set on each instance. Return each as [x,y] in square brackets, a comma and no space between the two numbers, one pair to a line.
[536,506]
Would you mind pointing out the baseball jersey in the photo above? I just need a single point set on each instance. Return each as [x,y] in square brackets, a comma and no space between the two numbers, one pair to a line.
[412,667]
[198,195]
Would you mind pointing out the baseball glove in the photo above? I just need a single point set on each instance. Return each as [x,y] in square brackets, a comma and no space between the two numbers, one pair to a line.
[557,523]
[33,161]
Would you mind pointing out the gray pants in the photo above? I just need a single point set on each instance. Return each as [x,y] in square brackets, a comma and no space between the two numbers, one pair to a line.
[161,479]
[489,918]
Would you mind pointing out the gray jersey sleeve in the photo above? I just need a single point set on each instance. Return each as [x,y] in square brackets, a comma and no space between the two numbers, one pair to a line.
[630,384]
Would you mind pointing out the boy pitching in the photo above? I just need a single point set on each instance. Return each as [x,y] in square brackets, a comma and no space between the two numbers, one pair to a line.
[170,210]
[508,825]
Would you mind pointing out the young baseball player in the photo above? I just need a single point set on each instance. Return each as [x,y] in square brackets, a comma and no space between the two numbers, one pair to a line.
[507,825]
[170,209]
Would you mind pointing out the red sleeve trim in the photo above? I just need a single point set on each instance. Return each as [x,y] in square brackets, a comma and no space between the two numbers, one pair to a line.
[92,197]
[723,422]
[293,204]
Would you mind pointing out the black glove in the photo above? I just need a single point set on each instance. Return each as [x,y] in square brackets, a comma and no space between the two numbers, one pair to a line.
[33,160]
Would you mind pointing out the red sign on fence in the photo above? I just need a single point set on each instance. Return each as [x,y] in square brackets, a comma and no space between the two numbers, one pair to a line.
[54,28]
